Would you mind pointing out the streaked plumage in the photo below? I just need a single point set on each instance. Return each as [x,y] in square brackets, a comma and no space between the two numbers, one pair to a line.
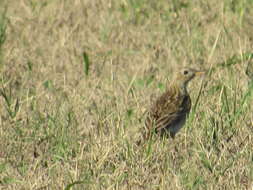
[169,112]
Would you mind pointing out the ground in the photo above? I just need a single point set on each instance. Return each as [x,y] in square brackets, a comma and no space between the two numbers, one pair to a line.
[76,79]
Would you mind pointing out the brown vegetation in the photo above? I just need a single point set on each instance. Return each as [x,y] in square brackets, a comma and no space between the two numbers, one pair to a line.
[77,76]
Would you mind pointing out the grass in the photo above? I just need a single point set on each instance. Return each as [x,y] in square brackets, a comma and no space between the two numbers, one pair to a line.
[77,76]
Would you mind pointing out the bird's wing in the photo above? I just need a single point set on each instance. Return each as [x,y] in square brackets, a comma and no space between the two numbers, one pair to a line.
[167,110]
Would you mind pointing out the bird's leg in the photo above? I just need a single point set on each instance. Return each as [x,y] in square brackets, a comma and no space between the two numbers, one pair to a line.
[165,133]
[172,135]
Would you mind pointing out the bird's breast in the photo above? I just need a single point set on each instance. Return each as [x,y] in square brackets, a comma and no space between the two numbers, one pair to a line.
[176,126]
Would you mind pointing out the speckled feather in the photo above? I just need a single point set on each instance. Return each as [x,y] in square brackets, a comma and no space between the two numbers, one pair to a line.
[169,112]
[169,109]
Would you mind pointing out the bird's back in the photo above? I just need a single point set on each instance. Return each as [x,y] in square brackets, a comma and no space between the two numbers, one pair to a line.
[169,112]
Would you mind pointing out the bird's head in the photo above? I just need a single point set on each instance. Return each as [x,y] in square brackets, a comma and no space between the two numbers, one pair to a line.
[185,75]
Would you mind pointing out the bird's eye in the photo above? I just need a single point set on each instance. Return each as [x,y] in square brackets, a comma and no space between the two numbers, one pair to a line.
[185,72]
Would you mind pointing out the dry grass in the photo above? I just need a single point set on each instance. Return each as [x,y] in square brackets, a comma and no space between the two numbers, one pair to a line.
[76,78]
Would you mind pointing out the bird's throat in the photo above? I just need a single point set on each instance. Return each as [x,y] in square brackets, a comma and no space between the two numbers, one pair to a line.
[178,88]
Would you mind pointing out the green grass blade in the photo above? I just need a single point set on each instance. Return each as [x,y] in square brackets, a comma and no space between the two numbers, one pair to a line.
[69,186]
[86,63]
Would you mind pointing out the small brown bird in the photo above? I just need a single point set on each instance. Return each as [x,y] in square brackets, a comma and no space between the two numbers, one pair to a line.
[169,112]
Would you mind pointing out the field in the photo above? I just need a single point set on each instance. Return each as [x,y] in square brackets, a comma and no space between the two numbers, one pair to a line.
[76,79]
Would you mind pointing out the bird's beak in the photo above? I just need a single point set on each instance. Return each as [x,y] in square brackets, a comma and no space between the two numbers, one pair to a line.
[198,73]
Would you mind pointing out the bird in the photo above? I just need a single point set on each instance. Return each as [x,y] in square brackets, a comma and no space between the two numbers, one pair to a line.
[167,115]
